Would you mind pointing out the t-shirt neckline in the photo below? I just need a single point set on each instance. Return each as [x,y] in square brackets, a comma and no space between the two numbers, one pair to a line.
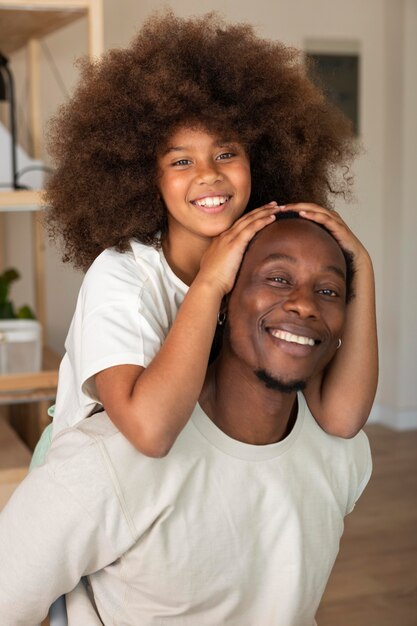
[245,451]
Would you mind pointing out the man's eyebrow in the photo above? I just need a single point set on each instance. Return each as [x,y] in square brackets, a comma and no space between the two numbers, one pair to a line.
[336,270]
[286,257]
[279,257]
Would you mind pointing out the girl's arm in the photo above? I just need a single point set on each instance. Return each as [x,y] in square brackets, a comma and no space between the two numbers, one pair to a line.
[151,406]
[341,398]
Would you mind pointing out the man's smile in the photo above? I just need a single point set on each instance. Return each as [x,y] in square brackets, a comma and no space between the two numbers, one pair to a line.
[293,339]
[286,336]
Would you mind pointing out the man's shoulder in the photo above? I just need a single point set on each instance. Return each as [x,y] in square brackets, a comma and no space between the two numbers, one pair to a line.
[76,445]
[346,464]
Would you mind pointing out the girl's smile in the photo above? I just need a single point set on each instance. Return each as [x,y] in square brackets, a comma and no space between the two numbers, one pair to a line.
[205,183]
[211,204]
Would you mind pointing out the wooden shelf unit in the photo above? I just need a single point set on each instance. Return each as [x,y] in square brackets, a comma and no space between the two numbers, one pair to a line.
[26,20]
[22,24]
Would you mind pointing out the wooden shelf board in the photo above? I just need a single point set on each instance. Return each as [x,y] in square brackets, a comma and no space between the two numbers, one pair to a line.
[21,200]
[31,386]
[23,20]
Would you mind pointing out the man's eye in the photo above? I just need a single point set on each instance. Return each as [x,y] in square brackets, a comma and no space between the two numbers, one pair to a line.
[329,292]
[279,279]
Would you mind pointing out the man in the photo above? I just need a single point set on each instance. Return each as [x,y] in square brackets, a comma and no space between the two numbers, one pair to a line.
[240,523]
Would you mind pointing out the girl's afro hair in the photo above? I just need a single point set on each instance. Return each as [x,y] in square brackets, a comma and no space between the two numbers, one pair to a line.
[197,71]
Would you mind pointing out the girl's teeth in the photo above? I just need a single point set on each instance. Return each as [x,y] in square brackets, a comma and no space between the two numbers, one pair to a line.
[304,341]
[211,202]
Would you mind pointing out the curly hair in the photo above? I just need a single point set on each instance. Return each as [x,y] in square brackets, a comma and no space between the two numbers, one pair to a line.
[106,139]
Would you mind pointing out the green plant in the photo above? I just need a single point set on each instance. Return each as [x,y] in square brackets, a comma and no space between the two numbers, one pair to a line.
[7,310]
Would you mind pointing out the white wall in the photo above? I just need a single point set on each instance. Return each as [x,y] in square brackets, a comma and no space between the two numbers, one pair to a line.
[384,214]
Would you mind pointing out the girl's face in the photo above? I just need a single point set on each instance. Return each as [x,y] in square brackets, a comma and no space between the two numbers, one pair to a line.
[205,182]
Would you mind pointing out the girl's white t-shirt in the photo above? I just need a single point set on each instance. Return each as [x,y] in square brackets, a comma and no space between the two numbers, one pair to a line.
[126,306]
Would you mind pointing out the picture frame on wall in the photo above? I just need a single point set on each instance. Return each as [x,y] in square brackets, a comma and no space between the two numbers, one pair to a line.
[334,65]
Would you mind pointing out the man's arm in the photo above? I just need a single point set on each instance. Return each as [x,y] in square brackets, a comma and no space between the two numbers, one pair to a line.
[48,540]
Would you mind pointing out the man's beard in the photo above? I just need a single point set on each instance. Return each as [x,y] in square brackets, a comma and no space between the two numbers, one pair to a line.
[278,385]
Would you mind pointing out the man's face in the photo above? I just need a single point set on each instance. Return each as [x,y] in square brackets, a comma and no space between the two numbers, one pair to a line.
[287,309]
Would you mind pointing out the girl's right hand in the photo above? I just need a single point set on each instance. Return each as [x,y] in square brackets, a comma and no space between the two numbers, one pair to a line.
[220,263]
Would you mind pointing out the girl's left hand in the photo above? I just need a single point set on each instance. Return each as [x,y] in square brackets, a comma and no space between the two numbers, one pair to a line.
[334,223]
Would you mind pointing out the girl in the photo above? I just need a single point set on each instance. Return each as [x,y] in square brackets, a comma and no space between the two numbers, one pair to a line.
[163,155]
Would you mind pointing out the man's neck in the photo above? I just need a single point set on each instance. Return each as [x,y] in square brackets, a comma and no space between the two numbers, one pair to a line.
[244,408]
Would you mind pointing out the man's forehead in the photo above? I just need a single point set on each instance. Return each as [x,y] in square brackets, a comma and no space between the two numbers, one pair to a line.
[293,240]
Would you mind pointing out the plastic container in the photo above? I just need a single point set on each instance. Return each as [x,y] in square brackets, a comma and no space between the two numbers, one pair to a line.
[20,346]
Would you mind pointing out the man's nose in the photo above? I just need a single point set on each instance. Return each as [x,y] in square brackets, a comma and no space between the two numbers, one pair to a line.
[301,302]
[208,173]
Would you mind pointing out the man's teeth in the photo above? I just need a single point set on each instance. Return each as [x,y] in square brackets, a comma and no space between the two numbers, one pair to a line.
[282,334]
[211,201]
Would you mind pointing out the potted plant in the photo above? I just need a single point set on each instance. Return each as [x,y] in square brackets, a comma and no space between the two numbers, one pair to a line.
[7,309]
[20,333]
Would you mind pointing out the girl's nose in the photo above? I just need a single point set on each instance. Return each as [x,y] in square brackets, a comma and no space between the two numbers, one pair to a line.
[208,173]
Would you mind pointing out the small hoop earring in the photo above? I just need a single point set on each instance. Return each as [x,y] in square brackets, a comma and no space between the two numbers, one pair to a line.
[221,318]
[339,343]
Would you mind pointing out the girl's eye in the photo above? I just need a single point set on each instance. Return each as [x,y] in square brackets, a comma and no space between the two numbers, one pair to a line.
[181,162]
[329,292]
[225,155]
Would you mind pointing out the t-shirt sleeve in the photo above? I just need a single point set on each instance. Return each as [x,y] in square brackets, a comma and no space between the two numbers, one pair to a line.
[124,322]
[52,533]
[364,461]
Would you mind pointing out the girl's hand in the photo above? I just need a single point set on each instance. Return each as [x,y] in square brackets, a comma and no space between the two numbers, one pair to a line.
[221,262]
[335,224]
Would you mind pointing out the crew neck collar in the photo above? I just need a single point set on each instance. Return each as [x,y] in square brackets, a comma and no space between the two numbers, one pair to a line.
[245,451]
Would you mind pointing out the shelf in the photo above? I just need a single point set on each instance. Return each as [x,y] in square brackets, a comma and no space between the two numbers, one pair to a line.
[23,20]
[21,200]
[24,398]
[32,386]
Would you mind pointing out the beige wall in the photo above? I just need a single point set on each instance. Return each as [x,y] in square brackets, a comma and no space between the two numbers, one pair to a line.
[384,214]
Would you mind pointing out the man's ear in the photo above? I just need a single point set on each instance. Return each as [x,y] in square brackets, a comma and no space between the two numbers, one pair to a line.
[222,314]
[218,335]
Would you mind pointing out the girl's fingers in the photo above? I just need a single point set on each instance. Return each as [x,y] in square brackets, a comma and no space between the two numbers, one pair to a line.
[326,218]
[266,214]
[334,224]
[317,213]
[310,209]
[304,206]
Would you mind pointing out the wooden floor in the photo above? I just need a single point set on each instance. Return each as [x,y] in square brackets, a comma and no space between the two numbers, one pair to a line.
[374,581]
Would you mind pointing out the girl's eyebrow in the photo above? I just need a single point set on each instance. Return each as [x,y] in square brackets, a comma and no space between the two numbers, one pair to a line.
[221,143]
[173,149]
